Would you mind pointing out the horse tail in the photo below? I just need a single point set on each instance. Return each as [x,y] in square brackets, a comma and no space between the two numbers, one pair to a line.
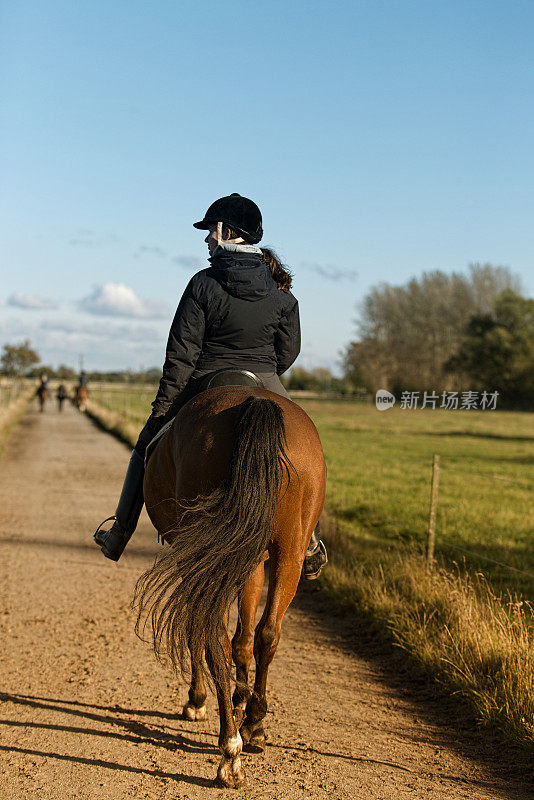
[220,539]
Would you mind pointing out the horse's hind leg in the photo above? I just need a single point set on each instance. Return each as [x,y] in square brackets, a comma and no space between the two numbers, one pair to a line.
[195,708]
[230,773]
[243,641]
[283,582]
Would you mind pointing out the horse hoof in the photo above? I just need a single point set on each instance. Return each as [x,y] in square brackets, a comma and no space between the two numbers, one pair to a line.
[246,733]
[256,742]
[194,714]
[227,779]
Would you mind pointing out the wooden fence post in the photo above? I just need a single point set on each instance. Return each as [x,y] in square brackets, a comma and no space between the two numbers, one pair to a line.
[432,515]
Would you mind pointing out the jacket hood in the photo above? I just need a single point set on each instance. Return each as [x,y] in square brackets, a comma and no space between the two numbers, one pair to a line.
[241,270]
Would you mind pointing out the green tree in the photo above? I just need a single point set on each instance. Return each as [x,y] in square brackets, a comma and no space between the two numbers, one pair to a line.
[18,359]
[303,379]
[497,352]
[319,379]
[65,373]
[407,333]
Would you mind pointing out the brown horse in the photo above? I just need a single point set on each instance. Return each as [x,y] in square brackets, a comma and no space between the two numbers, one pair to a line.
[80,397]
[42,394]
[239,478]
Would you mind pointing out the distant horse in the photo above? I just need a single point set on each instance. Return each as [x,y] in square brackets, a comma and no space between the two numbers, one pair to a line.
[42,395]
[237,479]
[61,396]
[81,396]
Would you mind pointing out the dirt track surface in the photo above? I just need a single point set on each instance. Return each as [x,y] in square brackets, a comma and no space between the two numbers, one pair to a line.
[87,713]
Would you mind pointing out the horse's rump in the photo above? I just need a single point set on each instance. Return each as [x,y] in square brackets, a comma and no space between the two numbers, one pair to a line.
[194,453]
[218,485]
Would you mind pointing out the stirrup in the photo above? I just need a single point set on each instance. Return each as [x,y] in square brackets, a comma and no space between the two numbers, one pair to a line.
[108,519]
[315,562]
[112,542]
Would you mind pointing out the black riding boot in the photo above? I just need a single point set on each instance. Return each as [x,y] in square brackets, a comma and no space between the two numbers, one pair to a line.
[113,542]
[316,556]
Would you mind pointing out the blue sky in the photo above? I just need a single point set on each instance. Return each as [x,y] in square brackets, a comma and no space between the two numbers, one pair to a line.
[380,140]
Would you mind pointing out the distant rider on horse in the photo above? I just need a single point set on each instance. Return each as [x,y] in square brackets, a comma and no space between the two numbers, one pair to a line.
[42,390]
[238,313]
[81,392]
[61,396]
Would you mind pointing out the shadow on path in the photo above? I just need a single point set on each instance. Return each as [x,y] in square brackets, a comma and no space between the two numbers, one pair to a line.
[97,762]
[136,732]
[452,725]
[133,551]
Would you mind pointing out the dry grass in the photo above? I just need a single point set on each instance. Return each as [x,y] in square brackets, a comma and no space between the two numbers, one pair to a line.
[10,414]
[113,422]
[476,643]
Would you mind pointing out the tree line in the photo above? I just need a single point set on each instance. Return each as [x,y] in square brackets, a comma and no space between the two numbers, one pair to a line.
[445,332]
[22,360]
[440,332]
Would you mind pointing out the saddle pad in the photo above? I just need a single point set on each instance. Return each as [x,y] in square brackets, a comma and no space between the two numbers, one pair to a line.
[151,446]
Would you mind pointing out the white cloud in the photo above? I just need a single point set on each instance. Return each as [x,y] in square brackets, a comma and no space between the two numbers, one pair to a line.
[119,300]
[105,344]
[125,335]
[31,301]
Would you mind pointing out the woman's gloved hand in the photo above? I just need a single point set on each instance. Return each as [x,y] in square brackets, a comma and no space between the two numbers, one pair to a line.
[152,426]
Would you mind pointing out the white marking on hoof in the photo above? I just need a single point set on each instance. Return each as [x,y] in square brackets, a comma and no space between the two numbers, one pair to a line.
[232,747]
[230,773]
[194,714]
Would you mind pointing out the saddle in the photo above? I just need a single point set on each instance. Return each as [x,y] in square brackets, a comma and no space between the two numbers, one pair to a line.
[220,377]
[228,377]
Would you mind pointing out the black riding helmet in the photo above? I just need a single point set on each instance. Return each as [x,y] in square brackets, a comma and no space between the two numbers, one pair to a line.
[239,213]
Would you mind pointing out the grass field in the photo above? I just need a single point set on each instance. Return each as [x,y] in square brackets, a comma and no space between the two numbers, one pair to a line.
[379,473]
[469,623]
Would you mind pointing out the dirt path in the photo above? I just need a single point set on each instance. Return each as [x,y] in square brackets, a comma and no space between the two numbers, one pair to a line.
[87,713]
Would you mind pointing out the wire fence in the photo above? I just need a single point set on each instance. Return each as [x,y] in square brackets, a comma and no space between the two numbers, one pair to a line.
[432,538]
[528,484]
[475,554]
[10,391]
[132,402]
[434,507]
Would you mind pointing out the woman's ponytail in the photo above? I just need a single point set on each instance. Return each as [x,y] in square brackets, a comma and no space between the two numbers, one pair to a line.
[278,271]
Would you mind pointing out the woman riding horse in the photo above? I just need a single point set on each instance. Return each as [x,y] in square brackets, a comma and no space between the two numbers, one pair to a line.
[237,314]
[81,392]
[42,390]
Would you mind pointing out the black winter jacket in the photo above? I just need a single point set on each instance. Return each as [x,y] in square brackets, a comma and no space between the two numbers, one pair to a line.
[230,315]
